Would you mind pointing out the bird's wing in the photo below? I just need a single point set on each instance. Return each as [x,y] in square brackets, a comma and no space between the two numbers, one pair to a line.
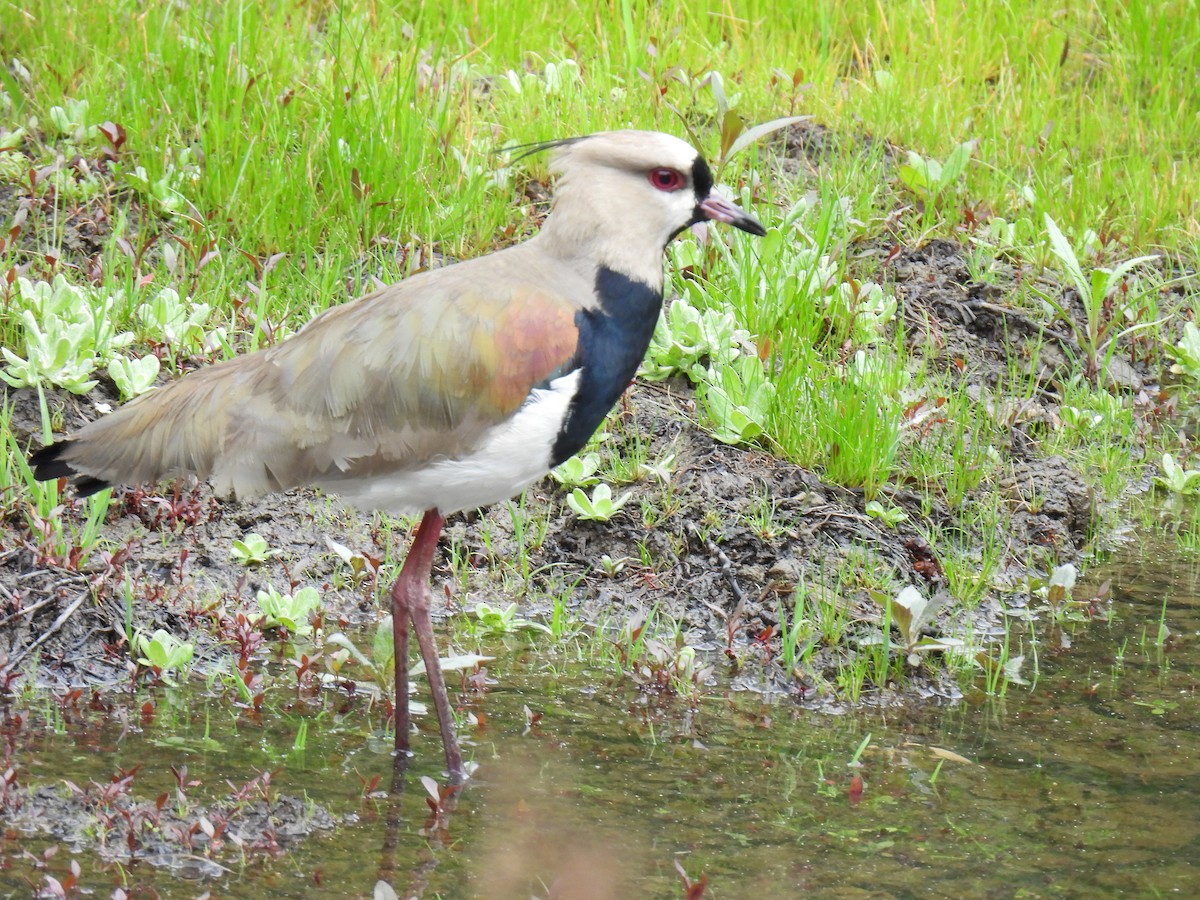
[423,358]
[410,374]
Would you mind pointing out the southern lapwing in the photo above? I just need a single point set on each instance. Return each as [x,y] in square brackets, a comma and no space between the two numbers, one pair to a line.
[454,389]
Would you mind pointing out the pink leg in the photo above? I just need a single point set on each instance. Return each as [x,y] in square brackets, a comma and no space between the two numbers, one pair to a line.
[423,626]
[410,600]
[400,613]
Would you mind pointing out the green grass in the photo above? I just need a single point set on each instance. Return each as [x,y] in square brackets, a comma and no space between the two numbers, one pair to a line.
[1089,109]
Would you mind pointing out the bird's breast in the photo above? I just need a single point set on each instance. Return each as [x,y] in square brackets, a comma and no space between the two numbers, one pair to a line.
[613,337]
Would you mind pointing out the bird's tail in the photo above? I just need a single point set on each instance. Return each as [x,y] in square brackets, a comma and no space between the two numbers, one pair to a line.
[182,428]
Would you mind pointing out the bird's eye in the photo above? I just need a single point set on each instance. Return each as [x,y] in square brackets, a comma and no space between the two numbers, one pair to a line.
[667,179]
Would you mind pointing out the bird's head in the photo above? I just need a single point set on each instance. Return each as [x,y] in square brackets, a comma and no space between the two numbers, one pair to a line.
[621,196]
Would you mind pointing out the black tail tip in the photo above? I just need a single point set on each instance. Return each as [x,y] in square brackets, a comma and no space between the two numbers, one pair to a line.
[48,464]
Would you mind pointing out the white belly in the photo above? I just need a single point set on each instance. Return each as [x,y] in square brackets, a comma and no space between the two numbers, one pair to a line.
[513,456]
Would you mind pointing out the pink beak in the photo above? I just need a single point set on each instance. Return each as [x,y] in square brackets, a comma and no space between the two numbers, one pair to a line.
[719,209]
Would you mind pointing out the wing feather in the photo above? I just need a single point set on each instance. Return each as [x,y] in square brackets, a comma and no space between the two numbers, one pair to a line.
[410,374]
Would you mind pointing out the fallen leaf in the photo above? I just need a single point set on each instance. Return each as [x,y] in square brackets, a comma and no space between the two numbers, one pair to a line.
[950,755]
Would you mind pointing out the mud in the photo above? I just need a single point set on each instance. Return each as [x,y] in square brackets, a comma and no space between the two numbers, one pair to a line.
[191,839]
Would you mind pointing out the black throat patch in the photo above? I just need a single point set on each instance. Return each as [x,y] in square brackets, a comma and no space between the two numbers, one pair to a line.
[612,344]
[702,179]
[702,185]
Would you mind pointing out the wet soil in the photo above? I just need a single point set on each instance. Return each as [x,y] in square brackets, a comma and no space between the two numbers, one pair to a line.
[124,829]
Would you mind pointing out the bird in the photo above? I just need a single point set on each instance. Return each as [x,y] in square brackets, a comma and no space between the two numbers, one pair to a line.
[450,390]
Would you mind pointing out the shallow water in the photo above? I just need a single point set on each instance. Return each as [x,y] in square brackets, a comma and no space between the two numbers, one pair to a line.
[1087,783]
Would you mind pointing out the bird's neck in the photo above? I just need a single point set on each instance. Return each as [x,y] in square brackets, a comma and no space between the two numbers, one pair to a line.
[589,249]
[586,231]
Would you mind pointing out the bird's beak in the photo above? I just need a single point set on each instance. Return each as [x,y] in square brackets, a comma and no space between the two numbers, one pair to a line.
[716,207]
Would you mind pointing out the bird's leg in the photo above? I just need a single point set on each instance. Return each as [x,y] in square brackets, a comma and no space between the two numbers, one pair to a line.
[423,626]
[410,600]
[407,593]
[400,655]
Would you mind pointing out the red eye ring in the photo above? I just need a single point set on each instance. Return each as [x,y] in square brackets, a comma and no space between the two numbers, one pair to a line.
[667,179]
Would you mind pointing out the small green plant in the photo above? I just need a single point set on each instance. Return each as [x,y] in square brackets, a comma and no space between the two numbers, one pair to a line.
[866,306]
[1158,706]
[1080,420]
[910,612]
[891,516]
[737,400]
[1109,301]
[688,335]
[361,565]
[291,611]
[929,179]
[529,526]
[1000,236]
[860,427]
[56,352]
[660,469]
[797,636]
[379,665]
[70,121]
[764,517]
[555,79]
[612,567]
[1164,630]
[252,550]
[600,506]
[1186,352]
[1176,479]
[164,653]
[133,376]
[182,170]
[658,659]
[1000,670]
[578,471]
[301,740]
[1059,588]
[1187,535]
[564,624]
[495,621]
[179,323]
[68,331]
[11,140]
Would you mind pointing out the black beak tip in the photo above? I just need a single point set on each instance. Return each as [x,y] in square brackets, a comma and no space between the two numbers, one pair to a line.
[717,208]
